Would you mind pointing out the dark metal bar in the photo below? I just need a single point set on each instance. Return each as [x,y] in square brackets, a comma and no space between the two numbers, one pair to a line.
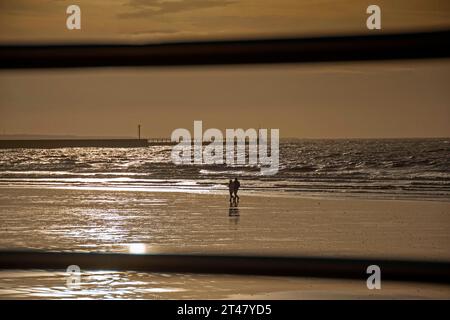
[300,50]
[340,268]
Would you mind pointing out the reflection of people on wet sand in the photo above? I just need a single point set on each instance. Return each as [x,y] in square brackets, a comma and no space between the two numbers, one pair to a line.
[234,210]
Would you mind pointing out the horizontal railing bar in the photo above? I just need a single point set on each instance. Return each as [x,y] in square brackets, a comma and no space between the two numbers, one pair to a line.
[317,267]
[298,50]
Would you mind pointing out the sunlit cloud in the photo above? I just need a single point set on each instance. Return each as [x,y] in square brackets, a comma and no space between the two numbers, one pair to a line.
[149,8]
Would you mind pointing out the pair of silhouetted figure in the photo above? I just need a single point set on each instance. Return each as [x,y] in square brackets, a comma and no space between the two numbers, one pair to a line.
[233,187]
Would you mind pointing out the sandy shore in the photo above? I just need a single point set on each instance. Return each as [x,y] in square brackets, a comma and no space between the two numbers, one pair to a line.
[40,284]
[111,221]
[93,220]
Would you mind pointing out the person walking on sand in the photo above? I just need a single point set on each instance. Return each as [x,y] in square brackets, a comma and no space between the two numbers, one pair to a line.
[236,186]
[231,189]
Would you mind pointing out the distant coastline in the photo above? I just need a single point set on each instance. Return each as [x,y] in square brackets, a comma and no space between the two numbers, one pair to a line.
[80,143]
[53,142]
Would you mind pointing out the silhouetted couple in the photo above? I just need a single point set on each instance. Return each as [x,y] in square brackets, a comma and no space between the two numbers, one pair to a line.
[233,187]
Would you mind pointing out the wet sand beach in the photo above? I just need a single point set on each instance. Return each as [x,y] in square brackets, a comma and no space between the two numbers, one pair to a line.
[98,220]
[170,222]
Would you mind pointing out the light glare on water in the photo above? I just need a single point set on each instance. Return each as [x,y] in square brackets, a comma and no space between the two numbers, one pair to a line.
[137,248]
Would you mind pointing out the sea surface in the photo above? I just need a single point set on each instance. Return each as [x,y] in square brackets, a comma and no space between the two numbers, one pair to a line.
[386,168]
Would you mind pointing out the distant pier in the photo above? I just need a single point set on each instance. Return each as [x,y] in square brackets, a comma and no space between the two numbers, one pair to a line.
[96,143]
[83,143]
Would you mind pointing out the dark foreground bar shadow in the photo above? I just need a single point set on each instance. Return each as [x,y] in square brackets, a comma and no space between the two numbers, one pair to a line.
[420,45]
[317,267]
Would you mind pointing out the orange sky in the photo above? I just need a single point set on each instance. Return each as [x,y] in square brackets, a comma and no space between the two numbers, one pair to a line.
[359,100]
[157,20]
[408,99]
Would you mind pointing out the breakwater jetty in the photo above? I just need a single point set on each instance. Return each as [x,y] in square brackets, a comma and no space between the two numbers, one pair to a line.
[83,143]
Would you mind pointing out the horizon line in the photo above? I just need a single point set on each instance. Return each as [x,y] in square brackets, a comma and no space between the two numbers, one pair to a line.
[89,137]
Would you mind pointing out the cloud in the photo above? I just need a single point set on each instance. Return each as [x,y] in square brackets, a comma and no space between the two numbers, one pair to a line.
[150,8]
[164,34]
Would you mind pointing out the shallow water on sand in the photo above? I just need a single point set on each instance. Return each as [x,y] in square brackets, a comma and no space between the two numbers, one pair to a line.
[152,222]
[139,222]
[40,284]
